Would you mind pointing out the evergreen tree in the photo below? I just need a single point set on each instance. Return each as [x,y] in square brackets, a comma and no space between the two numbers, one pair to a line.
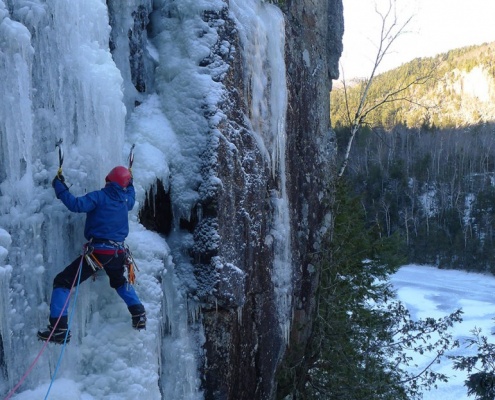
[363,336]
[480,367]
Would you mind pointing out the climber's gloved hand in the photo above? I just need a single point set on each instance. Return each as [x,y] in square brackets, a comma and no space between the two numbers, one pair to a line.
[59,185]
[131,182]
[59,178]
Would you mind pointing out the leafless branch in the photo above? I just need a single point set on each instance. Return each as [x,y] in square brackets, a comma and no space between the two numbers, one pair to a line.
[390,31]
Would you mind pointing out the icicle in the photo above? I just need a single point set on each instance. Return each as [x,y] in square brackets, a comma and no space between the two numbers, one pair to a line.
[239,314]
[5,274]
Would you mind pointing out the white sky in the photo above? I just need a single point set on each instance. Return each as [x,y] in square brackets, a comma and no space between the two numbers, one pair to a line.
[437,26]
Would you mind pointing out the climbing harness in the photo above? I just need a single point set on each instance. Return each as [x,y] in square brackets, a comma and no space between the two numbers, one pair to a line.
[129,262]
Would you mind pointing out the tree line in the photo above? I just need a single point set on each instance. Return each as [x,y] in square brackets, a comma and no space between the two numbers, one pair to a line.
[408,195]
[436,188]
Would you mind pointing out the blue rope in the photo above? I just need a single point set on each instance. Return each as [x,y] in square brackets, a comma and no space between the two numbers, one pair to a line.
[68,328]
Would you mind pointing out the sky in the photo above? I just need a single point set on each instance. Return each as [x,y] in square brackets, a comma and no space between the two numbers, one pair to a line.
[436,27]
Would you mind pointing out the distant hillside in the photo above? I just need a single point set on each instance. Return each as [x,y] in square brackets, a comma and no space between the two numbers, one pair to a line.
[460,91]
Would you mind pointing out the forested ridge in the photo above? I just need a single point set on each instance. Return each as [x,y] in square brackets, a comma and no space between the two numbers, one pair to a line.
[425,166]
[452,89]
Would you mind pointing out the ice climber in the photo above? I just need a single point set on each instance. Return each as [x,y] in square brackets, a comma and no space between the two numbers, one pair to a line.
[106,228]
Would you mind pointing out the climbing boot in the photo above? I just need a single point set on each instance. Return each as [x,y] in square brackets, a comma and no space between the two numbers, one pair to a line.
[139,321]
[58,335]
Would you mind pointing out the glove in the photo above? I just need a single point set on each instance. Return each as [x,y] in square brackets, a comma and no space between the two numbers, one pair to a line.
[59,177]
[59,185]
[132,177]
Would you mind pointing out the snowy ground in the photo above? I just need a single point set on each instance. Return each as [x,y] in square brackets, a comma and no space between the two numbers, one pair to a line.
[431,292]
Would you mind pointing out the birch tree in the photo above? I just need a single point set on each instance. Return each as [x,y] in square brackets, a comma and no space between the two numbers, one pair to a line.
[356,113]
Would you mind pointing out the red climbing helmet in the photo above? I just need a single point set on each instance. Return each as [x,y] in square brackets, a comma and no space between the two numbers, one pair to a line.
[120,175]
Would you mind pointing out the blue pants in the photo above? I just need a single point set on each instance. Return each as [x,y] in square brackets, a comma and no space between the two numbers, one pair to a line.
[113,265]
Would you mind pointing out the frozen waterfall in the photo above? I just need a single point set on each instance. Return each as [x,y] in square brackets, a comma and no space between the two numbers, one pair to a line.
[60,80]
[263,41]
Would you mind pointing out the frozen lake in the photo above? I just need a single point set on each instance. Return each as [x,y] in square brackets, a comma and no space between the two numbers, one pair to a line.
[431,292]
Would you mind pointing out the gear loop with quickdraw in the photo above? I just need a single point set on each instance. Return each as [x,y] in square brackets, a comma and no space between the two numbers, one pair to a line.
[130,265]
[90,258]
[129,262]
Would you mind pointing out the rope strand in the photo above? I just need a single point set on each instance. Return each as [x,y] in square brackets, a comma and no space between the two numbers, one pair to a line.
[78,275]
[30,368]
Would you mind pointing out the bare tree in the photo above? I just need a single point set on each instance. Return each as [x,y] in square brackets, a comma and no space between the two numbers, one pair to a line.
[356,116]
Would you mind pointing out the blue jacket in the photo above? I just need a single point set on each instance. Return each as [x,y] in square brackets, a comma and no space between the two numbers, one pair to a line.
[106,209]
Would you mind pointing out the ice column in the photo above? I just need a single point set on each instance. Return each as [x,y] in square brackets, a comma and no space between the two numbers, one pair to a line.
[58,81]
[180,378]
[262,33]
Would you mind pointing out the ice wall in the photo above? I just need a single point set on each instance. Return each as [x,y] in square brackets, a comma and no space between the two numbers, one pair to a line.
[59,81]
[66,74]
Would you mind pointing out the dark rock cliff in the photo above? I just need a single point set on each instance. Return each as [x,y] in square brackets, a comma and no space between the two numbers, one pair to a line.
[314,45]
[244,351]
[243,344]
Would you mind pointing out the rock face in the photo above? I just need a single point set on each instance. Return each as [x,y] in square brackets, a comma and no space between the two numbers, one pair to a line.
[233,252]
[243,345]
[314,46]
[244,350]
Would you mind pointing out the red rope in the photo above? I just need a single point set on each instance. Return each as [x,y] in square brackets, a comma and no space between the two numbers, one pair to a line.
[9,395]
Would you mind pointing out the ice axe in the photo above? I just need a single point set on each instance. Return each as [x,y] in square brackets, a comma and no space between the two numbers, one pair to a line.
[131,158]
[58,144]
